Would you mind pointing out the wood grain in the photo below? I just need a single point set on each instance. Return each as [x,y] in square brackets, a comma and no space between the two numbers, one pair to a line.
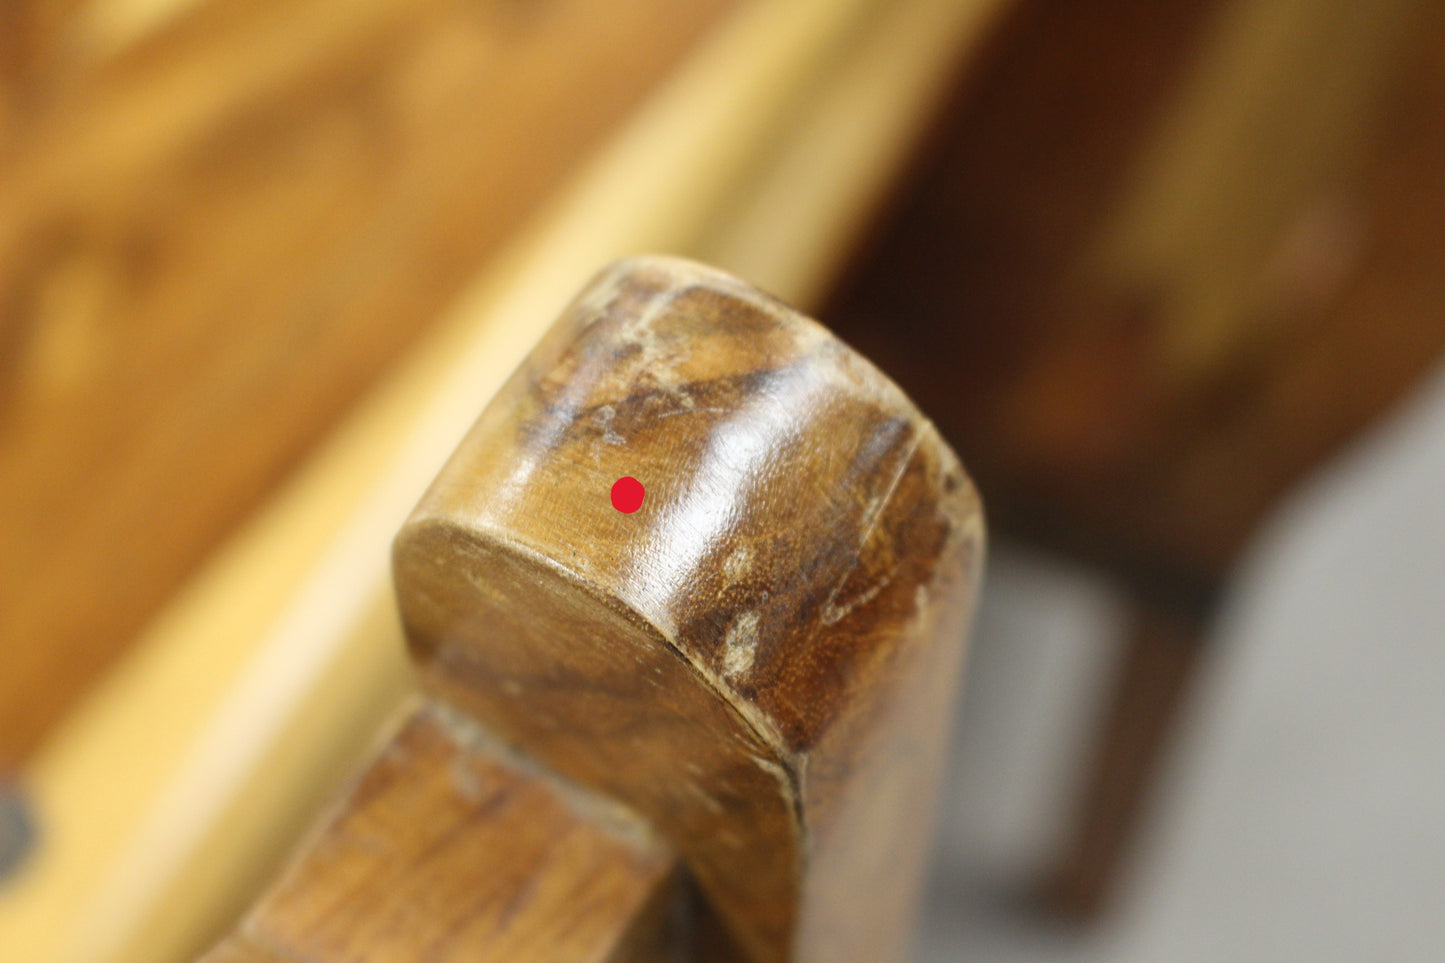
[214,238]
[208,770]
[761,659]
[448,849]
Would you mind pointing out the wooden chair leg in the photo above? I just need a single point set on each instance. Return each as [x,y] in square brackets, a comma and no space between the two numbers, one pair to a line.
[1153,681]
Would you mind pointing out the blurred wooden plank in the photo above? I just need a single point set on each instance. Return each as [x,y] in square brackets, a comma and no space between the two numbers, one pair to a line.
[1348,319]
[1126,234]
[1279,108]
[1152,281]
[257,686]
[690,659]
[825,185]
[214,239]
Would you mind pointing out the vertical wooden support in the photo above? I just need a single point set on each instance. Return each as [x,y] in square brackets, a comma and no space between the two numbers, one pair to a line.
[1160,656]
[758,662]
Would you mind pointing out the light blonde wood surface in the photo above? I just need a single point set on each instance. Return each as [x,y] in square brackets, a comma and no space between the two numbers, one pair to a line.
[218,226]
[259,684]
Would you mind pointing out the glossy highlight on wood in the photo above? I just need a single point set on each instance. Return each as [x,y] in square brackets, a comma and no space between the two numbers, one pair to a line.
[761,660]
[710,729]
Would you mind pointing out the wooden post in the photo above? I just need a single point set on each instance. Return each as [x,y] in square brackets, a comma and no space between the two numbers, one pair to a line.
[755,666]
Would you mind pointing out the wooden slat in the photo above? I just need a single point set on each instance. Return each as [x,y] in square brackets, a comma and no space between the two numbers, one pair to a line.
[446,850]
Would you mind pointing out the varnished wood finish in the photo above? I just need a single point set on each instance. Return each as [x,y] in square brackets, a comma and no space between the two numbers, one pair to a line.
[215,233]
[760,660]
[756,666]
[449,850]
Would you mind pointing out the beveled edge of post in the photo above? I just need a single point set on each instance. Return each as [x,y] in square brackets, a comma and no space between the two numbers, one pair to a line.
[614,362]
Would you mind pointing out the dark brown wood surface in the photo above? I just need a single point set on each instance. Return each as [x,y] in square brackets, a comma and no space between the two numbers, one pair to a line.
[749,675]
[1105,414]
[215,235]
[756,666]
[760,659]
[1056,378]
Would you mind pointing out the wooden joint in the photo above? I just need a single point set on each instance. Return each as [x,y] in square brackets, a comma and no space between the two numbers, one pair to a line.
[759,661]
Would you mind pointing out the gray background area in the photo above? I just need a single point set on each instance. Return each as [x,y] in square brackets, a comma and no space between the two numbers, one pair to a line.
[1303,813]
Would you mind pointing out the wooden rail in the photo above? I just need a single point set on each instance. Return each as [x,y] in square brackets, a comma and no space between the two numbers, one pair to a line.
[261,682]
